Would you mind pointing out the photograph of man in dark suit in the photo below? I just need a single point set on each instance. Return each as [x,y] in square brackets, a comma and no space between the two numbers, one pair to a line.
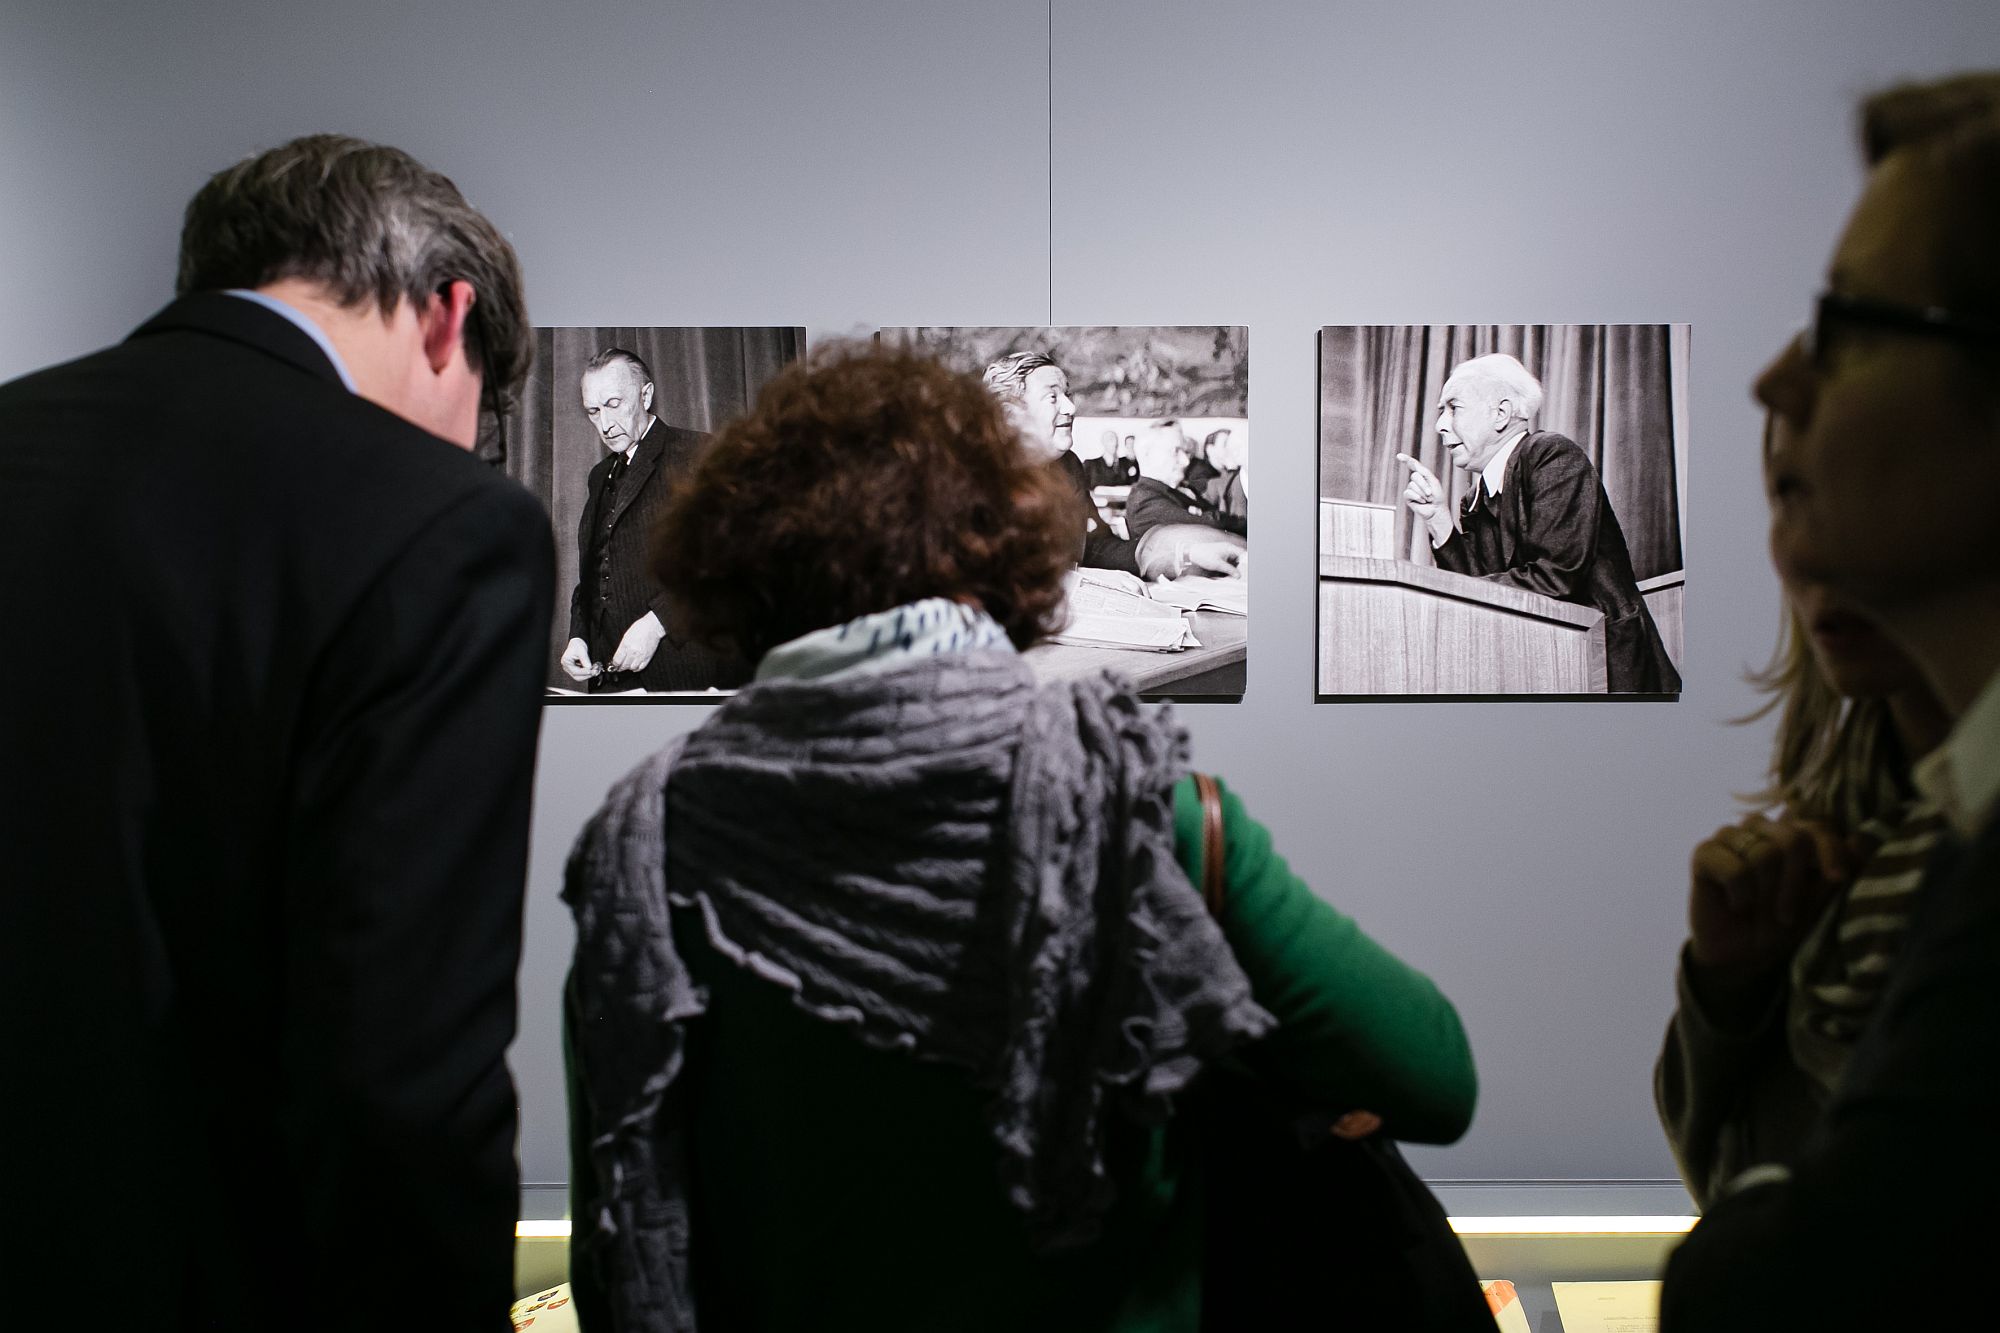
[619,622]
[264,853]
[1537,517]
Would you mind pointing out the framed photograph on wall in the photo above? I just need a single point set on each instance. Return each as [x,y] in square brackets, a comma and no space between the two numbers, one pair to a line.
[610,419]
[1502,509]
[1151,425]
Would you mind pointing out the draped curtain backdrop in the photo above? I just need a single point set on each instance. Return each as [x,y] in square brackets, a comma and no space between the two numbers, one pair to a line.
[1616,389]
[701,378]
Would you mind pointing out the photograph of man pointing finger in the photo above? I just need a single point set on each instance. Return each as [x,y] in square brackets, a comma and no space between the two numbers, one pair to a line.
[1498,476]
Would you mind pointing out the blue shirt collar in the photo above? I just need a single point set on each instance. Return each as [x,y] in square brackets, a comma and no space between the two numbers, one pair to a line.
[305,325]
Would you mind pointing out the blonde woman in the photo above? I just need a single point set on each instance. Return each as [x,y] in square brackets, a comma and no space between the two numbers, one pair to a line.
[1795,915]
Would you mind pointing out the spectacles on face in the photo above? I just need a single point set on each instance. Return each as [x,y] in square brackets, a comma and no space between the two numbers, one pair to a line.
[1835,311]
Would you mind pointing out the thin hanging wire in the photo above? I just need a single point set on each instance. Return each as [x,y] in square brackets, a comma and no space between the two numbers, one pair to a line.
[1052,161]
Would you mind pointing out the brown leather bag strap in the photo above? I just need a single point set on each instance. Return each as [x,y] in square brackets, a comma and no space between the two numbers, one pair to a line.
[1211,842]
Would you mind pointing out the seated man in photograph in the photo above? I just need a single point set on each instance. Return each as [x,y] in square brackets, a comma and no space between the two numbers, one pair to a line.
[1884,415]
[1035,392]
[1104,469]
[1537,518]
[1229,492]
[1124,457]
[619,624]
[1159,497]
[1202,469]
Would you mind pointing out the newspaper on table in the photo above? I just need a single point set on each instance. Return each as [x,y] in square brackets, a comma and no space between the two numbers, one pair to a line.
[1229,596]
[1107,608]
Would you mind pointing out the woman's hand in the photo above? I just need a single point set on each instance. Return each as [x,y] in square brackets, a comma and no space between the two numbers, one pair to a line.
[1757,888]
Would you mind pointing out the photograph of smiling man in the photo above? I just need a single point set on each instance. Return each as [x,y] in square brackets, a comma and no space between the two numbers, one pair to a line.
[1168,525]
[1502,509]
[611,418]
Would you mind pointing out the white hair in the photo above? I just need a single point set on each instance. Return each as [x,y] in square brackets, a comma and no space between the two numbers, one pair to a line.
[1498,376]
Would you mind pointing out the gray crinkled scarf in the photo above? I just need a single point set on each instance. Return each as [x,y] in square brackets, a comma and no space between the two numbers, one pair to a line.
[946,857]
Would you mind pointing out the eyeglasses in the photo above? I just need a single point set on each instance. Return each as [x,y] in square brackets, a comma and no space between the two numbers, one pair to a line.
[1835,311]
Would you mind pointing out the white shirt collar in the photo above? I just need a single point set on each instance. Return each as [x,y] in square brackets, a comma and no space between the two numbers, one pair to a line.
[632,446]
[306,326]
[1963,774]
[1495,470]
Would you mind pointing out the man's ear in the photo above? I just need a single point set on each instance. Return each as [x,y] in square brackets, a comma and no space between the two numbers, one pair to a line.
[1503,413]
[442,323]
[646,398]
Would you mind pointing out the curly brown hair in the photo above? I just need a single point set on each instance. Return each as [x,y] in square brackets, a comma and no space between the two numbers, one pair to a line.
[864,478]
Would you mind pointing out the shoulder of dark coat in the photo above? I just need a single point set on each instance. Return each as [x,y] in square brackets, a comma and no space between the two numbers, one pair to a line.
[1542,450]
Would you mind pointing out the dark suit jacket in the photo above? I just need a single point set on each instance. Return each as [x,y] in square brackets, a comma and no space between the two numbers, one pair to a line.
[1889,1206]
[1118,472]
[1099,547]
[1153,504]
[1551,531]
[272,699]
[613,587]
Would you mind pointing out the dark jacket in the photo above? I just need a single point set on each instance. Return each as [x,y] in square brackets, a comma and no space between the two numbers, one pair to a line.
[1099,547]
[1889,1205]
[1118,472]
[265,774]
[614,586]
[1154,504]
[888,1214]
[1551,531]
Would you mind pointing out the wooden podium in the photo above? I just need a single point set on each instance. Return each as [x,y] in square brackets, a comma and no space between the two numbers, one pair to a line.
[1389,626]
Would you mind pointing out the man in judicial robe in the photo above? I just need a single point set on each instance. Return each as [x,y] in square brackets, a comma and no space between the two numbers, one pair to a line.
[621,635]
[1537,518]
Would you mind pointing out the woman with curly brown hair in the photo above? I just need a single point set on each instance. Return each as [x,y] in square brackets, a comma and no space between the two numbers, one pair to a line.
[888,976]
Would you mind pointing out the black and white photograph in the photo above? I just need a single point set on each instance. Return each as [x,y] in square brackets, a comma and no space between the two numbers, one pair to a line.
[1151,426]
[1502,509]
[610,419]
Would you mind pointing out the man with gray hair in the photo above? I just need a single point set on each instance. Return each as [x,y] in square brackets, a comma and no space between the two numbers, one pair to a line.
[1161,496]
[265,852]
[1537,518]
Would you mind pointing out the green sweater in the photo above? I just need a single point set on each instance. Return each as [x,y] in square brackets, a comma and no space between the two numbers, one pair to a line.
[839,1187]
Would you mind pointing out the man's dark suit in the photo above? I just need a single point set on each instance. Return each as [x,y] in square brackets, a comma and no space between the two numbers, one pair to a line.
[613,587]
[1153,503]
[1098,546]
[1118,472]
[1551,531]
[271,700]
[1887,1219]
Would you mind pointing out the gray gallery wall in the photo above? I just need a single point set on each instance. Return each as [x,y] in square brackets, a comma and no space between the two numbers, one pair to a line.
[1280,165]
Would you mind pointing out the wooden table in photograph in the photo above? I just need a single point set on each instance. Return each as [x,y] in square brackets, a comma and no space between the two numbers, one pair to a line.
[1217,667]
